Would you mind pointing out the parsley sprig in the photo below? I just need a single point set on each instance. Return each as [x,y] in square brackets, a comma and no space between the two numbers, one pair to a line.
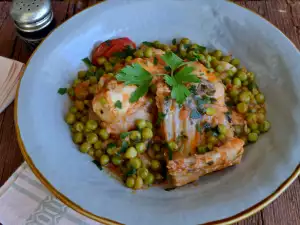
[178,78]
[135,74]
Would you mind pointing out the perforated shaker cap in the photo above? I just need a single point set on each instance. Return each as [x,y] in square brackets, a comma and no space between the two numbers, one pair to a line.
[31,15]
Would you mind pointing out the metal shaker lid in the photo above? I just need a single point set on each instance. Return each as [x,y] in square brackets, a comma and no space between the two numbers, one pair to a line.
[31,15]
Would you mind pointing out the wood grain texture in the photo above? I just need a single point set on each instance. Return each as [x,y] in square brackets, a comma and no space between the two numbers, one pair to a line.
[285,14]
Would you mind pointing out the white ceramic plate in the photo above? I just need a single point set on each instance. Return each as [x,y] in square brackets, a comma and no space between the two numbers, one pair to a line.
[47,146]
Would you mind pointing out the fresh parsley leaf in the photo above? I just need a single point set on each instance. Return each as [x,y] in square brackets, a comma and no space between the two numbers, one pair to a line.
[185,75]
[87,62]
[137,75]
[180,93]
[174,41]
[124,135]
[147,43]
[97,164]
[131,172]
[161,116]
[172,60]
[195,114]
[118,104]
[155,60]
[124,146]
[62,91]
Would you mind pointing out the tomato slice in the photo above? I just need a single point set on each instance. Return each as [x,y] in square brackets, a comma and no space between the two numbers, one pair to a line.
[109,47]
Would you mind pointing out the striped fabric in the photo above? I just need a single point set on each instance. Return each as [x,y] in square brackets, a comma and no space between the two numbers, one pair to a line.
[25,201]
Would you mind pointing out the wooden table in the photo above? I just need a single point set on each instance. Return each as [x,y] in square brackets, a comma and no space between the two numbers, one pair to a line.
[285,14]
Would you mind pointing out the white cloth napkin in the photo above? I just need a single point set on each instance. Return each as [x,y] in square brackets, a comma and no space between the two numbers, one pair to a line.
[25,201]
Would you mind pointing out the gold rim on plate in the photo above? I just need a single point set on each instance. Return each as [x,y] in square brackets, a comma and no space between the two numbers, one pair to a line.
[230,220]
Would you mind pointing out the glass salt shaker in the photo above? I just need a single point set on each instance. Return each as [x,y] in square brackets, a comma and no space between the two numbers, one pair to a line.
[33,20]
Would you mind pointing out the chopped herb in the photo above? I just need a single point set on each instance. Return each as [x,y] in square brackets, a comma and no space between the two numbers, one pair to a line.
[108,42]
[97,164]
[89,74]
[124,135]
[155,60]
[131,172]
[137,75]
[174,41]
[206,126]
[161,116]
[124,146]
[201,48]
[172,60]
[228,116]
[193,89]
[62,91]
[99,73]
[201,74]
[195,114]
[198,128]
[118,104]
[87,62]
[111,145]
[147,43]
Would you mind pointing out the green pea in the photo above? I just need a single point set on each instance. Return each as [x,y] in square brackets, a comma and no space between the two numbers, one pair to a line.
[227,81]
[84,119]
[141,124]
[238,129]
[210,146]
[252,137]
[185,41]
[260,117]
[155,165]
[108,67]
[72,129]
[70,118]
[149,179]
[147,133]
[183,53]
[201,149]
[85,147]
[101,60]
[76,82]
[104,159]
[158,177]
[251,76]
[91,152]
[214,63]
[242,75]
[130,181]
[91,124]
[143,172]
[221,137]
[242,107]
[138,183]
[73,109]
[218,54]
[173,146]
[92,69]
[130,153]
[148,52]
[128,59]
[222,128]
[208,58]
[159,156]
[202,58]
[98,145]
[260,98]
[135,163]
[210,111]
[81,74]
[156,44]
[212,140]
[139,53]
[91,138]
[98,153]
[78,138]
[79,126]
[265,126]
[135,136]
[116,160]
[256,131]
[226,58]
[140,147]
[234,92]
[230,73]
[245,83]
[220,68]
[156,147]
[103,134]
[235,62]
[237,82]
[253,126]
[149,124]
[244,97]
[79,105]
[251,118]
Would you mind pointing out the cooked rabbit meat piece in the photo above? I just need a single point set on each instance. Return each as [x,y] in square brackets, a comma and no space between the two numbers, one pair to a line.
[119,119]
[189,169]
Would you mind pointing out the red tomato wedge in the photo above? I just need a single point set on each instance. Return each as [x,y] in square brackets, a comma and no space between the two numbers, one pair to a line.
[107,48]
